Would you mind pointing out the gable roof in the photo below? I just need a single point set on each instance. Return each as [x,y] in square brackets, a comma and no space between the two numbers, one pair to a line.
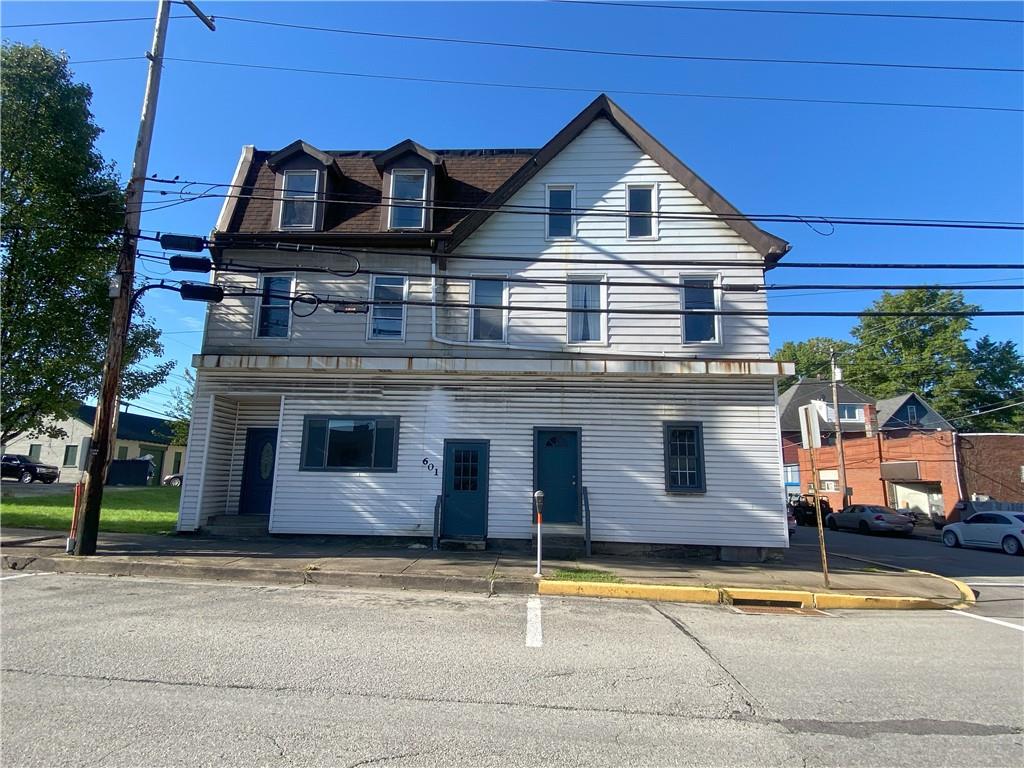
[133,426]
[806,390]
[890,406]
[385,157]
[770,247]
[295,148]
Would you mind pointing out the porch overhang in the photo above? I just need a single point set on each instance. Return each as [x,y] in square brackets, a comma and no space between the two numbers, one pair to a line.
[494,366]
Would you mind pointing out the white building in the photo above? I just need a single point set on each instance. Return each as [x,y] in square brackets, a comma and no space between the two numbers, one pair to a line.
[541,342]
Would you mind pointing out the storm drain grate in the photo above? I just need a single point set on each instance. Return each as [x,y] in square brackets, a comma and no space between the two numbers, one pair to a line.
[778,609]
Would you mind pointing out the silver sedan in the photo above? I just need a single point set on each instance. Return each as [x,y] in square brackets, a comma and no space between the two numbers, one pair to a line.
[870,518]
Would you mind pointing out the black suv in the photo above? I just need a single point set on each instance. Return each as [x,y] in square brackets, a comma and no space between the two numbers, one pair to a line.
[26,470]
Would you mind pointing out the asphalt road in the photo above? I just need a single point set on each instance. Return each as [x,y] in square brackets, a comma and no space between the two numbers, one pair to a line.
[100,671]
[996,578]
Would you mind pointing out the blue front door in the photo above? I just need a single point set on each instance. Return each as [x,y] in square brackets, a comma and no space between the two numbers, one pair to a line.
[258,471]
[464,511]
[556,459]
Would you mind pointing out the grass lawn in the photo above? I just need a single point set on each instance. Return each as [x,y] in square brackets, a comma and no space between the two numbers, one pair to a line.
[134,510]
[583,574]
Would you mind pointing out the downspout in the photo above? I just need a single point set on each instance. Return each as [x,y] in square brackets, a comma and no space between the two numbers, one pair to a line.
[956,468]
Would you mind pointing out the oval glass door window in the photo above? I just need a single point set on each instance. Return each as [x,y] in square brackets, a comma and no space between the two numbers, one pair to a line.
[266,461]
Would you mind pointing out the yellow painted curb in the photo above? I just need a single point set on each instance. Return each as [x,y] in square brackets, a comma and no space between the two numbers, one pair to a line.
[732,594]
[666,592]
[967,598]
[838,600]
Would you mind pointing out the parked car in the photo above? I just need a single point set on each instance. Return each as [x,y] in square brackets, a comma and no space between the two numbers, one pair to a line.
[173,480]
[870,518]
[993,530]
[26,469]
[802,507]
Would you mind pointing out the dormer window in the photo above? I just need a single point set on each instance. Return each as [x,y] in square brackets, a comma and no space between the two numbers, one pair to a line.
[408,199]
[298,200]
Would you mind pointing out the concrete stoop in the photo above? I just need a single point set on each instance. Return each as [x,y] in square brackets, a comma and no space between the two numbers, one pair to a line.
[236,526]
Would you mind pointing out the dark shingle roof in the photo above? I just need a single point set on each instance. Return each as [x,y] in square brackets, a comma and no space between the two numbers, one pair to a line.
[806,390]
[133,426]
[471,175]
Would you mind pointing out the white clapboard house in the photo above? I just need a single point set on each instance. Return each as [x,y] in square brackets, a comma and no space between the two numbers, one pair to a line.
[510,328]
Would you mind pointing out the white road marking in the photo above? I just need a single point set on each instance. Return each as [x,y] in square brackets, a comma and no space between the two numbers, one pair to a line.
[534,631]
[1018,627]
[993,584]
[23,575]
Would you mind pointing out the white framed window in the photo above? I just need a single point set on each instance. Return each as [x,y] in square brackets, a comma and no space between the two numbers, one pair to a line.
[298,200]
[408,199]
[349,443]
[851,412]
[274,310]
[642,207]
[828,480]
[386,322]
[586,295]
[700,292]
[560,221]
[488,324]
[912,414]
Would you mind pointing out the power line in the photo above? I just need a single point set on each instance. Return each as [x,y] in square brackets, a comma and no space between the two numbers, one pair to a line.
[619,54]
[539,210]
[861,14]
[89,21]
[311,298]
[575,89]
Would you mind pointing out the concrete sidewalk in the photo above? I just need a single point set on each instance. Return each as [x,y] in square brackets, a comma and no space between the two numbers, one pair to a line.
[349,561]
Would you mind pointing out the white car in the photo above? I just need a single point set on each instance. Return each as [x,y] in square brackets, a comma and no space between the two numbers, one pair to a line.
[995,530]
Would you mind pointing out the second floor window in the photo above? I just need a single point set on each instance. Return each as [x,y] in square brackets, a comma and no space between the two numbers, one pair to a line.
[851,412]
[408,199]
[560,224]
[298,200]
[640,206]
[275,310]
[387,321]
[488,324]
[585,325]
[699,293]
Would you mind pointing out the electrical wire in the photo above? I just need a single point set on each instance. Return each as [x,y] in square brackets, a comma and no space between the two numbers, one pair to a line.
[619,54]
[576,211]
[75,22]
[578,89]
[726,9]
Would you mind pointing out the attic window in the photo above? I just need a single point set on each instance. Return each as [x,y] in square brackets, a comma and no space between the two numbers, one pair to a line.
[408,199]
[298,201]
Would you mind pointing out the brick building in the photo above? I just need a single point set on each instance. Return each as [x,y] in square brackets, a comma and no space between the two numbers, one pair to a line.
[992,464]
[915,470]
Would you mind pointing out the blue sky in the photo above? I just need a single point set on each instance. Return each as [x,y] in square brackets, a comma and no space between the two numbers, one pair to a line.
[765,157]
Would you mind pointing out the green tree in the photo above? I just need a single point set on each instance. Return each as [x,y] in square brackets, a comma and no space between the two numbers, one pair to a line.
[812,357]
[181,409]
[1000,381]
[927,355]
[60,202]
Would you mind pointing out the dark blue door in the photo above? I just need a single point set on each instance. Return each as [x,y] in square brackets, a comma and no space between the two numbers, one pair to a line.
[557,466]
[464,514]
[258,471]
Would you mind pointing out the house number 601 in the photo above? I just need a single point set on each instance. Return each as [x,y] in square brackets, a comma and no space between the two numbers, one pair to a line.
[430,466]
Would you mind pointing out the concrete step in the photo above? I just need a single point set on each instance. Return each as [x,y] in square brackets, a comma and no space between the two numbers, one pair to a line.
[237,526]
[463,545]
[561,541]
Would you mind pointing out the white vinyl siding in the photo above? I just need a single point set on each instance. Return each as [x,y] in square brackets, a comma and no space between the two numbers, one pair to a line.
[628,498]
[599,164]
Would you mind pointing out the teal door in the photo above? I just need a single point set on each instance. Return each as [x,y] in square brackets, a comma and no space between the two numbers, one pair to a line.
[464,511]
[556,462]
[258,471]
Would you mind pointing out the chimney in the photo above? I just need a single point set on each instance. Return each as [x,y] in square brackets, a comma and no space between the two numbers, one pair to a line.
[870,420]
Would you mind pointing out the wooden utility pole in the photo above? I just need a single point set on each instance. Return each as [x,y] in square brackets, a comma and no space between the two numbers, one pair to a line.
[103,436]
[839,430]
